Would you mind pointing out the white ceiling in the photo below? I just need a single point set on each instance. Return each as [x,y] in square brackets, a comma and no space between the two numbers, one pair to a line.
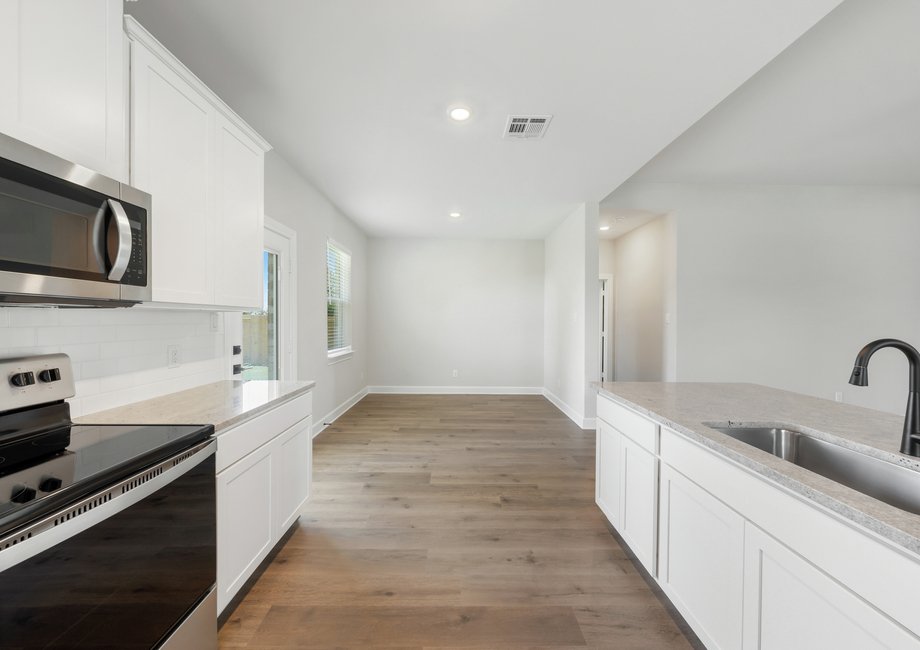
[354,93]
[840,106]
[620,221]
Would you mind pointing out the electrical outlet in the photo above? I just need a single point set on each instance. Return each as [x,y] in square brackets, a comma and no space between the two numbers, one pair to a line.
[667,319]
[838,396]
[173,356]
[455,373]
[215,322]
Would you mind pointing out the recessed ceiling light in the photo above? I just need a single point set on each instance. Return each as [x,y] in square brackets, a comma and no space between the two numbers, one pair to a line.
[460,113]
[455,214]
[605,227]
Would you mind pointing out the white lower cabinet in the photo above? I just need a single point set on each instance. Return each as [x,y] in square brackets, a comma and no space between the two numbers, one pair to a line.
[295,473]
[639,501]
[749,565]
[261,495]
[701,559]
[627,490]
[607,476]
[789,604]
[245,530]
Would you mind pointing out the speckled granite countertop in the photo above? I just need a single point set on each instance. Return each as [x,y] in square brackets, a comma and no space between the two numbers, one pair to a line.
[684,407]
[223,404]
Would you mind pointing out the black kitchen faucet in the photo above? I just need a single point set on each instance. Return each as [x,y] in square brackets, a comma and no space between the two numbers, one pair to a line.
[910,441]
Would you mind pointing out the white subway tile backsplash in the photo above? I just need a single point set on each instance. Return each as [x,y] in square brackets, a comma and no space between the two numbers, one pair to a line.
[99,368]
[119,355]
[18,337]
[81,352]
[115,349]
[58,335]
[98,333]
[39,317]
[80,317]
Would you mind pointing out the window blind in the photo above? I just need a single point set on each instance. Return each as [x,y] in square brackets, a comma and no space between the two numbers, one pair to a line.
[338,298]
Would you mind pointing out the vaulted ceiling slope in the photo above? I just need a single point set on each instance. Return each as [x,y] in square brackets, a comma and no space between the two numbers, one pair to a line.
[354,93]
[840,106]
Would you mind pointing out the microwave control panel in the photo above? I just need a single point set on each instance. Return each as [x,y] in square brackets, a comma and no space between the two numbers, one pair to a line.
[136,273]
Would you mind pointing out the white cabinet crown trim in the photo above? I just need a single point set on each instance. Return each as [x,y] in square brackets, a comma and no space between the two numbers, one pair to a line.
[136,31]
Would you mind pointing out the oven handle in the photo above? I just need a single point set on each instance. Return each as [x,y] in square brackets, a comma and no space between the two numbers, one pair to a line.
[123,229]
[79,516]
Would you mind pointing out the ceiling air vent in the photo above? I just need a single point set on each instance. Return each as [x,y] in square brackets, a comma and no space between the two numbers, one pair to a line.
[526,126]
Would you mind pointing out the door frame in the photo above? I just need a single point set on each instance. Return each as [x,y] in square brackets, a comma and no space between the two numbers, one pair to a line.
[287,295]
[606,334]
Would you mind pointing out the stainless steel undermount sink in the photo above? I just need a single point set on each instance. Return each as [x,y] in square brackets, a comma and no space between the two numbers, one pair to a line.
[883,480]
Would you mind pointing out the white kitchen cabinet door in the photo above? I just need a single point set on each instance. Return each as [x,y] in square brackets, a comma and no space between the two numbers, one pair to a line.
[245,519]
[701,559]
[172,158]
[295,462]
[62,75]
[607,474]
[639,501]
[789,604]
[239,218]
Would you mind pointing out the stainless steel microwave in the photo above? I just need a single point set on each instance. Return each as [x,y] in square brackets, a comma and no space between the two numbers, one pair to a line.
[69,236]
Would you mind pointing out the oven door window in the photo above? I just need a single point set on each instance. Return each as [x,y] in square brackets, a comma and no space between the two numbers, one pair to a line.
[123,583]
[51,227]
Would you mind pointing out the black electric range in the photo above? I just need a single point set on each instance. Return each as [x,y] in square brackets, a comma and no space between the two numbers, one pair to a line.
[107,532]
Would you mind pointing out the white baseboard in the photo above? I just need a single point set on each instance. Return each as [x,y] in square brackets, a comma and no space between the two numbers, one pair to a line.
[574,416]
[457,390]
[337,412]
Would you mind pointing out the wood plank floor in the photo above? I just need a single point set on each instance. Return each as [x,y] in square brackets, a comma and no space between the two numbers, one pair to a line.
[461,521]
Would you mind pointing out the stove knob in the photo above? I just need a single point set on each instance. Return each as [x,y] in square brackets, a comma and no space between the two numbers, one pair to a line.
[22,493]
[49,375]
[50,483]
[22,379]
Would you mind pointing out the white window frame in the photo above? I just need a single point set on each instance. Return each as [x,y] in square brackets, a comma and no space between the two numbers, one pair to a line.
[287,296]
[339,354]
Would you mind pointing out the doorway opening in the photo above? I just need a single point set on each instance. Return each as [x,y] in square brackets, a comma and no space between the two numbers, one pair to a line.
[269,333]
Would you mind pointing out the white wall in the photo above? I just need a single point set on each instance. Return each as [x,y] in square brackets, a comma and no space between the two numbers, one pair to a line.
[438,305]
[119,355]
[782,285]
[646,277]
[570,314]
[293,201]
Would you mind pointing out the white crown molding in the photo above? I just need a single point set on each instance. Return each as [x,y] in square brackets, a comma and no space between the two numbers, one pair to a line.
[136,32]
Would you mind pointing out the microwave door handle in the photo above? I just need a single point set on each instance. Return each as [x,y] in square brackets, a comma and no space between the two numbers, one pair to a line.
[123,229]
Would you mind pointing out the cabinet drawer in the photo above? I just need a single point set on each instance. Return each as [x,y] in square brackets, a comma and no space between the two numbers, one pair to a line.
[643,431]
[235,443]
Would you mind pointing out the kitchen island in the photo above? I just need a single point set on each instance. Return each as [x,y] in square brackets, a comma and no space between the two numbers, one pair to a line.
[754,551]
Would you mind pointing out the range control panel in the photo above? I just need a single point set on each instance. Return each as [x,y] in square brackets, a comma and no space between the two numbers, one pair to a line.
[27,381]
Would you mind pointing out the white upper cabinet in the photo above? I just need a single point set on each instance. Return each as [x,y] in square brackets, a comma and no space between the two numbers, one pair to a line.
[62,74]
[172,158]
[204,168]
[239,218]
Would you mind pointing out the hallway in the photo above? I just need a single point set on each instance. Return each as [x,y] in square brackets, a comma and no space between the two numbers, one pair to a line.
[452,521]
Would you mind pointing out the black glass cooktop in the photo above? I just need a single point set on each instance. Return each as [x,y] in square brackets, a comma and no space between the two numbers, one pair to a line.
[44,471]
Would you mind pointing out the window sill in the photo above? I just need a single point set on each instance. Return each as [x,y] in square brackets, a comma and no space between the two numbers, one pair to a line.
[337,356]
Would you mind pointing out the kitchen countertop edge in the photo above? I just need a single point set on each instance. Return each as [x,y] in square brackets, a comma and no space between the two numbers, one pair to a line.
[220,415]
[887,521]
